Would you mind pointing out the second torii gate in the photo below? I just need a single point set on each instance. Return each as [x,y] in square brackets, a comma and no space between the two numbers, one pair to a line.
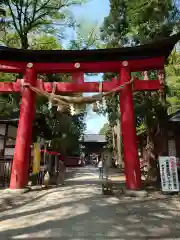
[122,60]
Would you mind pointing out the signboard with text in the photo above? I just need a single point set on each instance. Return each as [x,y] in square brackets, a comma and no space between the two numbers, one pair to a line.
[169,175]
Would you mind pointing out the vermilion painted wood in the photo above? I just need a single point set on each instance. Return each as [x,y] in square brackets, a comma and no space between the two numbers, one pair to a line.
[78,77]
[98,67]
[12,67]
[83,87]
[91,67]
[138,85]
[146,85]
[19,174]
[146,64]
[131,160]
[9,87]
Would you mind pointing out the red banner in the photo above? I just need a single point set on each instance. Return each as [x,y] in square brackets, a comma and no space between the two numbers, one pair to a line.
[50,152]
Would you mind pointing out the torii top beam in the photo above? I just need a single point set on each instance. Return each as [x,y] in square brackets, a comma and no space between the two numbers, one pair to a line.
[100,60]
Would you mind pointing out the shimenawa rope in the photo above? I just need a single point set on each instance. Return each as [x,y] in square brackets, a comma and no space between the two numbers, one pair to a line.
[64,101]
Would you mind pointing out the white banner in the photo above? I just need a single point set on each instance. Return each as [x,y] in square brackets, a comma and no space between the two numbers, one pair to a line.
[169,175]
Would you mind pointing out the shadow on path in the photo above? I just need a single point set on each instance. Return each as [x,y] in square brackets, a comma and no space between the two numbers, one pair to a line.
[79,212]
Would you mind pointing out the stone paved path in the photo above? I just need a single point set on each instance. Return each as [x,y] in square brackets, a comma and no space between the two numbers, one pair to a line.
[78,211]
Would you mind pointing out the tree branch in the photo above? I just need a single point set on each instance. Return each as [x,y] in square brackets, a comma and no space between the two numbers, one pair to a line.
[34,10]
[43,6]
[33,16]
[19,13]
[34,23]
[13,17]
[27,5]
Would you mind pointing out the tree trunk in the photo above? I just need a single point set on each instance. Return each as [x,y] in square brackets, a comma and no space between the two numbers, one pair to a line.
[113,139]
[114,146]
[152,152]
[24,42]
[152,147]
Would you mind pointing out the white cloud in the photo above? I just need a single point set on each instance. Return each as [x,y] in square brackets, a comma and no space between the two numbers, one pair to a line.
[94,122]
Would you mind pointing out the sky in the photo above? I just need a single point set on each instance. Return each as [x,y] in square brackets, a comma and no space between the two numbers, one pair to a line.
[95,11]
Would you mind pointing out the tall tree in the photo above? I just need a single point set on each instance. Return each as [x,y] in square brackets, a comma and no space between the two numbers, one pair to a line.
[104,129]
[151,20]
[63,129]
[115,26]
[85,35]
[114,32]
[36,16]
[173,81]
[137,22]
[32,27]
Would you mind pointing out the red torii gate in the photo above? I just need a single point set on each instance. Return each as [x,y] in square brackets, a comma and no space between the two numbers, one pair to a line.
[120,60]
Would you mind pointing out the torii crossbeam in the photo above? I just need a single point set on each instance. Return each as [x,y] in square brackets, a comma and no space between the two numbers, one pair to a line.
[123,61]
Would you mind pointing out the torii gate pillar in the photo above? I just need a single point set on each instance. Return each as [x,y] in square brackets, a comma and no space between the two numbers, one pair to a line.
[20,167]
[132,164]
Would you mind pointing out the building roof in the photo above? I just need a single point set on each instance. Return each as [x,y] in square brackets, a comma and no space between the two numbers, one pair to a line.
[162,47]
[5,119]
[175,117]
[94,138]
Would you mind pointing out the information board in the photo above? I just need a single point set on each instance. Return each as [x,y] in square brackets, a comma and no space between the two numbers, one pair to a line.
[169,175]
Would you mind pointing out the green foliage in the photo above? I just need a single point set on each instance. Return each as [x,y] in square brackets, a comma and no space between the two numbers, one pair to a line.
[109,139]
[10,39]
[148,109]
[152,19]
[104,129]
[137,22]
[173,82]
[114,32]
[44,42]
[63,129]
[37,16]
[115,26]
[9,105]
[32,27]
[87,36]
[51,124]
[107,131]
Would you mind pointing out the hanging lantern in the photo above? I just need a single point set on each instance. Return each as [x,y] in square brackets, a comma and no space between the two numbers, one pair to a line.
[72,110]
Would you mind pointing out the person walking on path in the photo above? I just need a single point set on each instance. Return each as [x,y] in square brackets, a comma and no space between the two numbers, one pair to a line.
[62,170]
[100,168]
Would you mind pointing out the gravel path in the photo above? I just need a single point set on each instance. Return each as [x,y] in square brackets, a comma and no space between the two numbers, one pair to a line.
[78,211]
